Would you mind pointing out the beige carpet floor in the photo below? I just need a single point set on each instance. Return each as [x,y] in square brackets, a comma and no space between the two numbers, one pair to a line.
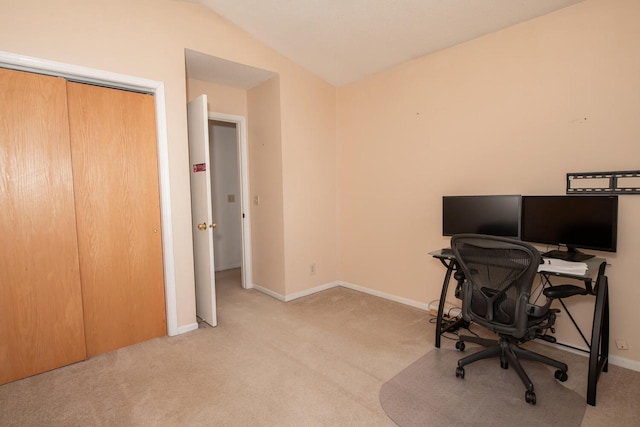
[319,360]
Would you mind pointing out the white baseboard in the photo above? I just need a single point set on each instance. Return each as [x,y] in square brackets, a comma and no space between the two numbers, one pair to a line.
[268,292]
[584,352]
[291,297]
[347,285]
[311,291]
[394,298]
[623,362]
[228,267]
[187,328]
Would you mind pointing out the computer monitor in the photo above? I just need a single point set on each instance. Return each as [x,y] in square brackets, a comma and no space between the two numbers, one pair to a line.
[588,222]
[495,215]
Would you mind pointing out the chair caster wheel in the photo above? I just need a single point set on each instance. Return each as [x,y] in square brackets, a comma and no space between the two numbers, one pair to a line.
[504,364]
[530,397]
[460,372]
[561,375]
[460,345]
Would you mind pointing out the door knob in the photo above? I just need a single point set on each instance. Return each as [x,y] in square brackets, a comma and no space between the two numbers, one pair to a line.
[203,226]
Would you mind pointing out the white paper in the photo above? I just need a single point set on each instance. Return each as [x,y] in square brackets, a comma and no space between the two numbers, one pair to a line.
[560,266]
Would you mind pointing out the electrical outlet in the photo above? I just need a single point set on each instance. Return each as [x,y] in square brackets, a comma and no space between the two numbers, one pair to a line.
[622,345]
[312,269]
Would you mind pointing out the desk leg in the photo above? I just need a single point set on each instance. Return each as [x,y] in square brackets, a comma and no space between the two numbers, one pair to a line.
[443,297]
[599,354]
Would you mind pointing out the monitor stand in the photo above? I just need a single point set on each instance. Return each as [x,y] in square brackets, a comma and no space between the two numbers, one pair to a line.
[571,254]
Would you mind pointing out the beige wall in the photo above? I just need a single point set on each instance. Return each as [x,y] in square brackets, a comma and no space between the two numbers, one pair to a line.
[508,113]
[147,38]
[265,179]
[310,185]
[220,99]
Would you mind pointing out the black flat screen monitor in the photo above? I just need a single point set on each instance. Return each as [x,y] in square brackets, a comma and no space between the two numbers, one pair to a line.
[496,215]
[588,222]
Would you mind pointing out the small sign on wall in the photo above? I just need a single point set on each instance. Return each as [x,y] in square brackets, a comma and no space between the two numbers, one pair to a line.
[200,167]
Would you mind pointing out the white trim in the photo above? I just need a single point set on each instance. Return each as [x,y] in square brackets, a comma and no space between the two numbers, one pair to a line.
[311,291]
[291,297]
[187,328]
[243,155]
[320,288]
[166,213]
[405,301]
[623,362]
[228,267]
[269,292]
[121,81]
[76,72]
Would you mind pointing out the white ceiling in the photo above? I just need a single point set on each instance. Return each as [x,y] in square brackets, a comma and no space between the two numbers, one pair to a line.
[345,40]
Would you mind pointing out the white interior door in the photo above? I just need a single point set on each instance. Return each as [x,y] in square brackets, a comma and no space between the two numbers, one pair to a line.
[201,210]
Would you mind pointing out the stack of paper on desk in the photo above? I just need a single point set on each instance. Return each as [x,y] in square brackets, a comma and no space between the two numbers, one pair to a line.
[560,266]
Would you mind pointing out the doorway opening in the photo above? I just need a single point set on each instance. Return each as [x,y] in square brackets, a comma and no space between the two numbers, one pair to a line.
[226,202]
[230,196]
[220,198]
[215,83]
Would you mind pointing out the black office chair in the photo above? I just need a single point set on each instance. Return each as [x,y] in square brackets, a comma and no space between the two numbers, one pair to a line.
[499,274]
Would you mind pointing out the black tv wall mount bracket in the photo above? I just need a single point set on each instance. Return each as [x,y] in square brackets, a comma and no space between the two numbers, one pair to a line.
[619,182]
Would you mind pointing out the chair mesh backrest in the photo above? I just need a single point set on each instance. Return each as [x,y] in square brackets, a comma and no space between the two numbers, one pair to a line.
[499,274]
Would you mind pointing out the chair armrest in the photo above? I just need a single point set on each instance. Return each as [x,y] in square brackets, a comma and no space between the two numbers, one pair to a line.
[564,291]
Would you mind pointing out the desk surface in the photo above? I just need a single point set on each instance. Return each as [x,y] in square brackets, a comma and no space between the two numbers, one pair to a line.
[593,264]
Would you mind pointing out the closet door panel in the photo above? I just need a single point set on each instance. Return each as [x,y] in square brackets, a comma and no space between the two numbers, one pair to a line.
[41,325]
[113,142]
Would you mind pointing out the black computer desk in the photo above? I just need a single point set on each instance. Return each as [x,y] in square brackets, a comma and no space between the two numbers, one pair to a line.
[598,348]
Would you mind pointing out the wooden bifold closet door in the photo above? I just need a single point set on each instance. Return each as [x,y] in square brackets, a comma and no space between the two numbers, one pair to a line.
[115,175]
[81,269]
[41,323]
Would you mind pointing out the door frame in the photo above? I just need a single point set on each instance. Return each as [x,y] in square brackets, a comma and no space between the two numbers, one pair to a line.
[243,168]
[122,81]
